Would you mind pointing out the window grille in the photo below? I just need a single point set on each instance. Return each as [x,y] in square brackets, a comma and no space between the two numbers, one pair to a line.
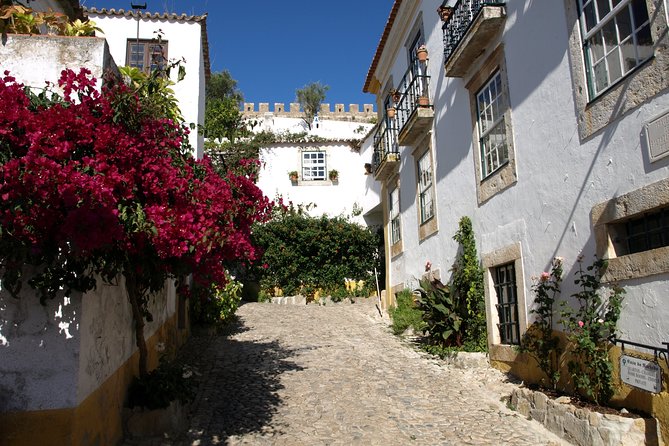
[648,231]
[507,303]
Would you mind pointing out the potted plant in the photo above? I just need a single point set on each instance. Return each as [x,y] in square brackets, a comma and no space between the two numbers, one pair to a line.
[293,176]
[390,112]
[156,401]
[395,95]
[421,53]
[333,175]
[445,12]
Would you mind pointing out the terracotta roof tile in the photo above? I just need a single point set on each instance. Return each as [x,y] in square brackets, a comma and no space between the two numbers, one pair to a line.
[381,45]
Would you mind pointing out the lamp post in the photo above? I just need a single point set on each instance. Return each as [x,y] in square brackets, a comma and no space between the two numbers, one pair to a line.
[138,7]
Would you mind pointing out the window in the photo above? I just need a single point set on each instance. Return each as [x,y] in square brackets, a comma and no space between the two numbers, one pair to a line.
[313,166]
[492,130]
[491,106]
[147,55]
[425,187]
[504,277]
[632,232]
[394,211]
[616,40]
[648,231]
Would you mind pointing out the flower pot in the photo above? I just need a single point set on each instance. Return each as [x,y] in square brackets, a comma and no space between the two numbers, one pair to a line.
[143,423]
[423,101]
[390,112]
[421,54]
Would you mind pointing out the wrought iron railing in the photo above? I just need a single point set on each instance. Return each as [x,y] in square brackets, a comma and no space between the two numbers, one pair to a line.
[385,143]
[413,92]
[460,20]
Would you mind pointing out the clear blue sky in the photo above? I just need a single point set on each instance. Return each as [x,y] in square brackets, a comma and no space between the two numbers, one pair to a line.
[274,47]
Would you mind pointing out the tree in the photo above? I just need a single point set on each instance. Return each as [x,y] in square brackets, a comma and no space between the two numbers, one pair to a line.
[222,117]
[92,186]
[221,85]
[310,98]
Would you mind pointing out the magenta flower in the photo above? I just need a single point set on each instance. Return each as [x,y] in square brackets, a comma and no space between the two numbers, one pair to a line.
[580,324]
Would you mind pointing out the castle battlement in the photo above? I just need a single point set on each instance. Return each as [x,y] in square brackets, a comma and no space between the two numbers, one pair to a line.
[354,113]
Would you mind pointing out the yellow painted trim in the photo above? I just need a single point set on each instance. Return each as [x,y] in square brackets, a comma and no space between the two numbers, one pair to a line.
[98,419]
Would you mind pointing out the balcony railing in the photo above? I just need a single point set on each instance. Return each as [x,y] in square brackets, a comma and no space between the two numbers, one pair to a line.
[414,92]
[414,107]
[464,15]
[386,149]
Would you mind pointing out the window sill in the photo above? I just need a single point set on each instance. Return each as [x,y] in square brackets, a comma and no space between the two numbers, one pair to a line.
[637,265]
[428,228]
[315,183]
[396,249]
[501,179]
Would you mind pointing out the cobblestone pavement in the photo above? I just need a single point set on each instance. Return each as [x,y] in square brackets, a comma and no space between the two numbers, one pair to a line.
[335,375]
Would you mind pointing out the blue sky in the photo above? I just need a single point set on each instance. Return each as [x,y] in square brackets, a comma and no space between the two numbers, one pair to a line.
[273,47]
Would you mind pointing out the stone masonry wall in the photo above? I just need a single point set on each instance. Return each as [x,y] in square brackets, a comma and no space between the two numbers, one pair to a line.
[354,113]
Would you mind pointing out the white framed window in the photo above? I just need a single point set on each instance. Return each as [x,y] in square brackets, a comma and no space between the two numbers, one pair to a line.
[425,189]
[491,106]
[616,38]
[314,166]
[147,55]
[394,214]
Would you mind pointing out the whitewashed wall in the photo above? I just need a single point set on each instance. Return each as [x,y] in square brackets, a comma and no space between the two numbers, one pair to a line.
[560,177]
[184,41]
[33,60]
[54,356]
[331,198]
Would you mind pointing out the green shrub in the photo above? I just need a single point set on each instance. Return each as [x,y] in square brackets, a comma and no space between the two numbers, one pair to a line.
[302,254]
[467,286]
[454,314]
[406,314]
[158,388]
[216,305]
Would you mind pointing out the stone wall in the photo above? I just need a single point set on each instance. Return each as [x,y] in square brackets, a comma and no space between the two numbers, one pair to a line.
[340,113]
[584,427]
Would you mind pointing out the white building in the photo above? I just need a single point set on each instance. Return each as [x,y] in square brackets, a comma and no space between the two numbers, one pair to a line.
[333,144]
[548,127]
[133,41]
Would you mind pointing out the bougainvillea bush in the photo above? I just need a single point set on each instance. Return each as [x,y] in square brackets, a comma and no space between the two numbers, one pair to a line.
[90,186]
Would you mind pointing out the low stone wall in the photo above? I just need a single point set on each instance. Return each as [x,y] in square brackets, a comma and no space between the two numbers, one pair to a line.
[301,300]
[582,426]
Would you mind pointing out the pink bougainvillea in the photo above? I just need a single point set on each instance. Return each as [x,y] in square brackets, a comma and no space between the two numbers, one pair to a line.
[76,183]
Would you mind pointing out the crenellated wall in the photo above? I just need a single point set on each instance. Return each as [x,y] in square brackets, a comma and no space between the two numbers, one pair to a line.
[354,113]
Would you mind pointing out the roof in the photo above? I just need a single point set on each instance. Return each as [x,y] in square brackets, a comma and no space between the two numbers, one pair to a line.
[381,45]
[201,19]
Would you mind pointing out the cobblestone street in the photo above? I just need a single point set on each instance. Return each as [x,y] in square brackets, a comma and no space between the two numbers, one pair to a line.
[335,375]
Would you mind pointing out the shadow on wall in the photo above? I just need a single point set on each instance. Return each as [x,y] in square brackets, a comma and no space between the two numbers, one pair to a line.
[240,381]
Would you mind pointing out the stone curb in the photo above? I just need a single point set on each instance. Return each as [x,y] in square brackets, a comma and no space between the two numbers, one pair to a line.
[582,426]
